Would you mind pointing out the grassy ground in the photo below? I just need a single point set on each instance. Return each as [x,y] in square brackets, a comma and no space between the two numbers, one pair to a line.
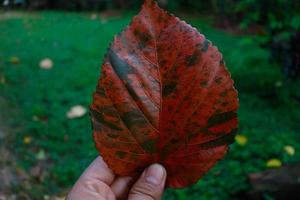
[53,150]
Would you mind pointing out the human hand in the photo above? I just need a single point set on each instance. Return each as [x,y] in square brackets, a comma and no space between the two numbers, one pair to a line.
[98,182]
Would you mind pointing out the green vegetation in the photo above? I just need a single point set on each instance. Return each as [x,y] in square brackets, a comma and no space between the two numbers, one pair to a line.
[269,103]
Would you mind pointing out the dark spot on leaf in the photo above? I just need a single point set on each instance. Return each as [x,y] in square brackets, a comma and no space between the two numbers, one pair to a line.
[120,154]
[144,38]
[112,135]
[100,118]
[223,94]
[218,111]
[225,103]
[193,59]
[163,62]
[168,89]
[134,117]
[173,122]
[218,80]
[100,91]
[226,139]
[174,141]
[120,66]
[221,118]
[219,101]
[203,83]
[150,146]
[160,19]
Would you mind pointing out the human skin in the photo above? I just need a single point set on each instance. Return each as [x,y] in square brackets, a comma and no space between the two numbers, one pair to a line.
[98,182]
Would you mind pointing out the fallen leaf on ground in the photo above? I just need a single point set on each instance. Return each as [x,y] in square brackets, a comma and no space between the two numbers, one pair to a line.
[273,163]
[289,150]
[14,60]
[41,155]
[46,63]
[27,140]
[76,112]
[241,140]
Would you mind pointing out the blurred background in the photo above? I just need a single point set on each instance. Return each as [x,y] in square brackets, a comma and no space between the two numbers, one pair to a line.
[50,57]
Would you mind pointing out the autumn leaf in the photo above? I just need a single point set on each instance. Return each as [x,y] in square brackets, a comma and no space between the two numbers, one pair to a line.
[241,140]
[164,96]
[76,112]
[46,63]
[289,150]
[27,140]
[41,155]
[273,163]
[14,60]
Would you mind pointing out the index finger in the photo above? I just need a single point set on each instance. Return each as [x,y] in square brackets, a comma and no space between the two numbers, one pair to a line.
[98,170]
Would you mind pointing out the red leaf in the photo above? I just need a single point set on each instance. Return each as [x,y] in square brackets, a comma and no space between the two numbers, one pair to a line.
[164,96]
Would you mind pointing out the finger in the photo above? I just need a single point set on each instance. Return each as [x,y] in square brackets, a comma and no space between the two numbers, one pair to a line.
[121,186]
[150,185]
[99,171]
[94,183]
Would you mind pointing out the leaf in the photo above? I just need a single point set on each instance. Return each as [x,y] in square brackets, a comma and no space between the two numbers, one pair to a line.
[290,150]
[27,140]
[76,112]
[273,163]
[164,96]
[241,140]
[41,155]
[46,63]
[14,60]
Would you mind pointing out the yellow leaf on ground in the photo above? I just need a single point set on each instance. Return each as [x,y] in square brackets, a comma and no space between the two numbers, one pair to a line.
[241,140]
[14,60]
[289,150]
[76,112]
[46,63]
[272,163]
[27,140]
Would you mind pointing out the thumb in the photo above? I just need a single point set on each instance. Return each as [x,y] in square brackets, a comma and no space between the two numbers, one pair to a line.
[150,185]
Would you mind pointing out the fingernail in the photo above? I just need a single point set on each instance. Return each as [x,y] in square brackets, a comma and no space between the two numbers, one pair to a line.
[155,174]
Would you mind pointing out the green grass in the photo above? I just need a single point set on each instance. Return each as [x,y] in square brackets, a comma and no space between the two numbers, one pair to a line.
[269,115]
